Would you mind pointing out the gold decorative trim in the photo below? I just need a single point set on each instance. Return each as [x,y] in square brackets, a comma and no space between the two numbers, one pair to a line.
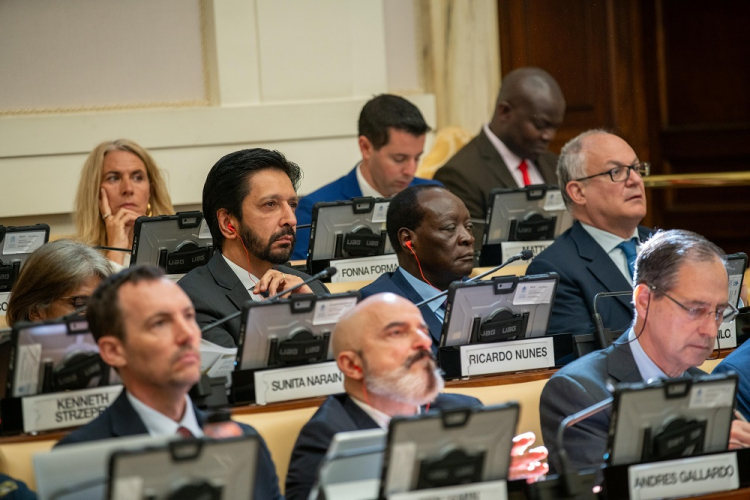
[717,179]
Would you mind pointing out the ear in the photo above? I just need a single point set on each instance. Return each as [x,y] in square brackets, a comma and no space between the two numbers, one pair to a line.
[112,351]
[503,111]
[37,315]
[350,365]
[576,192]
[406,236]
[365,147]
[224,221]
[641,299]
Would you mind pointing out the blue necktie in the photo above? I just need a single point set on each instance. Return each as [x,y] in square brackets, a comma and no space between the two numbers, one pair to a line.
[629,248]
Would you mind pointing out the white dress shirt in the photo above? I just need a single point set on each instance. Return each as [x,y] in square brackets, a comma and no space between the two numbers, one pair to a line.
[247,279]
[378,416]
[609,242]
[364,186]
[513,161]
[159,424]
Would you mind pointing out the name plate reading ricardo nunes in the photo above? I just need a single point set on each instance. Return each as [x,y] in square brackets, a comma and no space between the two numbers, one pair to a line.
[66,409]
[308,381]
[363,269]
[4,298]
[512,356]
[490,490]
[684,477]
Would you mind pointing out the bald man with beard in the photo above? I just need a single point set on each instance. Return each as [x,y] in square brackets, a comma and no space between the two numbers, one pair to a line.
[383,348]
[510,150]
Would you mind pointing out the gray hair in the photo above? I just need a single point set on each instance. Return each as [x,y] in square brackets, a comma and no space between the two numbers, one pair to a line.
[571,164]
[662,256]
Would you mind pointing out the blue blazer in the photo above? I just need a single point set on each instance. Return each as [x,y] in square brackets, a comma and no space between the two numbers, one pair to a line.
[343,188]
[121,419]
[739,361]
[396,283]
[585,269]
[339,413]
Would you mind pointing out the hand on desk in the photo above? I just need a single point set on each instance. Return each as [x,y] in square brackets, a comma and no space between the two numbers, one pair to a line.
[739,437]
[527,463]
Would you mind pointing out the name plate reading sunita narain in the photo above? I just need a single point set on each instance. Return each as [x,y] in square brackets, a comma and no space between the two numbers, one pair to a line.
[490,490]
[309,381]
[511,248]
[684,477]
[364,269]
[4,298]
[727,338]
[512,356]
[66,409]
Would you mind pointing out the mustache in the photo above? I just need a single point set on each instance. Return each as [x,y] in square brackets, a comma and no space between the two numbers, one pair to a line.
[419,356]
[285,231]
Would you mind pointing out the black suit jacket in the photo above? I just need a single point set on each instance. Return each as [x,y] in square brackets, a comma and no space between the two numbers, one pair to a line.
[217,292]
[121,419]
[477,168]
[585,269]
[577,386]
[396,283]
[339,414]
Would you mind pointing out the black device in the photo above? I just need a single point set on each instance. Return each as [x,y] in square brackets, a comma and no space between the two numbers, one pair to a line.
[176,243]
[16,245]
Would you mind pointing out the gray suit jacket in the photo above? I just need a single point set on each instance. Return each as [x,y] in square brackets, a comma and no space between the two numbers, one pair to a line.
[577,386]
[477,169]
[217,292]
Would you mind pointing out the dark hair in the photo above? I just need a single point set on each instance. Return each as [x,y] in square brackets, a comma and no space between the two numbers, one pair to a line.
[662,256]
[103,312]
[389,111]
[226,185]
[405,212]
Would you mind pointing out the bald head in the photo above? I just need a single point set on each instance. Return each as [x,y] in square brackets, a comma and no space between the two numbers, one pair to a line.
[525,83]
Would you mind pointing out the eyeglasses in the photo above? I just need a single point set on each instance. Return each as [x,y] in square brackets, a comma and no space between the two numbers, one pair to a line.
[77,301]
[621,173]
[720,315]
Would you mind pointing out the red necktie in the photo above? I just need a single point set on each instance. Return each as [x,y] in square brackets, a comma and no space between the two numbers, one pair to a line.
[184,432]
[524,168]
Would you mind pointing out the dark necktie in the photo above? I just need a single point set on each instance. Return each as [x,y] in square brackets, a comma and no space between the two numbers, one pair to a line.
[629,248]
[524,168]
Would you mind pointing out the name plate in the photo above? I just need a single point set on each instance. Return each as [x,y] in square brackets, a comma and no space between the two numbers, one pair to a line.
[66,409]
[512,356]
[174,278]
[684,477]
[511,248]
[4,298]
[490,490]
[309,381]
[727,337]
[364,269]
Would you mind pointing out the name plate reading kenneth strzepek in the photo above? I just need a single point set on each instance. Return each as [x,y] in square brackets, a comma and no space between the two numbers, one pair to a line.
[66,409]
[502,357]
[297,382]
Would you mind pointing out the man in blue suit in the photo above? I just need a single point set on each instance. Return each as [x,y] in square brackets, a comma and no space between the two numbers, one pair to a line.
[431,231]
[145,327]
[391,139]
[383,350]
[601,179]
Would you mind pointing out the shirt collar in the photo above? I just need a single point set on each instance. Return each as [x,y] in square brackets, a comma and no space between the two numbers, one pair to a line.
[511,160]
[383,420]
[159,424]
[364,186]
[244,277]
[607,240]
[423,289]
[648,369]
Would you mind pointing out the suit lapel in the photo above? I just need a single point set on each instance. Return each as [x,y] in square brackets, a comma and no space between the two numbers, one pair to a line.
[361,419]
[621,365]
[124,419]
[434,324]
[351,185]
[225,278]
[493,161]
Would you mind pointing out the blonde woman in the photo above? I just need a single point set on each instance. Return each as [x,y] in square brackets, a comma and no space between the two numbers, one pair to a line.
[119,183]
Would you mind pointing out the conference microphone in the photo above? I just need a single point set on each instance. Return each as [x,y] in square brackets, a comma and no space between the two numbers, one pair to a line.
[328,271]
[522,255]
[599,330]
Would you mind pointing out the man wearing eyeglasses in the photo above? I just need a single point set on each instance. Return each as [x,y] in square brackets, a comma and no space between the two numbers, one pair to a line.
[681,297]
[601,179]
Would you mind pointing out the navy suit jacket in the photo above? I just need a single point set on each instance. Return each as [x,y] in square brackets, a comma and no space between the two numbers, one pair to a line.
[343,188]
[396,283]
[339,413]
[585,269]
[217,292]
[121,419]
[739,361]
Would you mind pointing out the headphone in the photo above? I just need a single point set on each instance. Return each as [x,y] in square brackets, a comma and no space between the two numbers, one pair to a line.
[231,227]
[410,246]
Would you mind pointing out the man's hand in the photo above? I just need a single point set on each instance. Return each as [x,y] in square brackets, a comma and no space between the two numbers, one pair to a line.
[527,463]
[739,437]
[221,430]
[275,281]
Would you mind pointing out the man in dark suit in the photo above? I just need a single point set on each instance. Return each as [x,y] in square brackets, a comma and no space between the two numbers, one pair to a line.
[391,140]
[430,230]
[145,327]
[383,350]
[680,300]
[249,200]
[601,180]
[511,150]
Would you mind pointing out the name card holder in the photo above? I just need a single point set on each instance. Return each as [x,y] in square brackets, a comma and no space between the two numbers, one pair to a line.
[273,385]
[490,490]
[4,299]
[710,473]
[504,357]
[59,410]
[363,268]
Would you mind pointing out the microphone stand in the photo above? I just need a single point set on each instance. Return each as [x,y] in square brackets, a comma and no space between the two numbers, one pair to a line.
[599,330]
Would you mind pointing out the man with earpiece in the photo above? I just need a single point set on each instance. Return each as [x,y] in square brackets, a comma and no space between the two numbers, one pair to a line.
[249,200]
[430,230]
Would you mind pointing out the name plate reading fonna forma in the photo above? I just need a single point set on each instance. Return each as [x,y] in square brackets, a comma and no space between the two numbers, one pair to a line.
[684,477]
[66,409]
[511,248]
[490,490]
[502,357]
[727,338]
[4,298]
[308,381]
[363,269]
